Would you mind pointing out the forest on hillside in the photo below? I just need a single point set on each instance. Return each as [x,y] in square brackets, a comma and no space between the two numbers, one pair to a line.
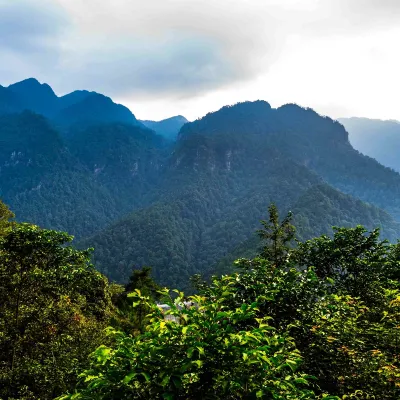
[188,206]
[313,319]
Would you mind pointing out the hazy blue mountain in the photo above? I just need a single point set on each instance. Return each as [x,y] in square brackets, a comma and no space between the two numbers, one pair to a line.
[94,109]
[73,98]
[169,128]
[375,138]
[35,96]
[80,107]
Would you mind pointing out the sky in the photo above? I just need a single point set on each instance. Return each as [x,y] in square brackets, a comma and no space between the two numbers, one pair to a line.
[167,57]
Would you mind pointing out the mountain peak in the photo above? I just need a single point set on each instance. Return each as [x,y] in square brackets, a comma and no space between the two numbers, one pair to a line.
[35,96]
[31,84]
[25,82]
[90,108]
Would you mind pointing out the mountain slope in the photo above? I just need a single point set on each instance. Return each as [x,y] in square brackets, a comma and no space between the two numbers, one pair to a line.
[319,143]
[9,102]
[50,184]
[316,211]
[375,138]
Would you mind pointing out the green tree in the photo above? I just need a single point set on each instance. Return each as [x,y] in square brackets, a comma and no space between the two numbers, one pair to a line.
[129,319]
[277,236]
[53,308]
[141,279]
[359,263]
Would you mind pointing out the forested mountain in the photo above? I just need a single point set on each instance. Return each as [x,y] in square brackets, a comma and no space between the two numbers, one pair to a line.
[88,167]
[80,185]
[169,128]
[375,138]
[223,171]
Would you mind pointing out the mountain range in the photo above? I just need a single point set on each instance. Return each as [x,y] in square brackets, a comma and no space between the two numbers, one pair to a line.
[376,138]
[141,193]
[80,107]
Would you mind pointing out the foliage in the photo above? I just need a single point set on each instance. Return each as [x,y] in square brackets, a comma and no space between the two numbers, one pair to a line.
[277,236]
[215,351]
[77,184]
[53,308]
[5,216]
[133,320]
[340,296]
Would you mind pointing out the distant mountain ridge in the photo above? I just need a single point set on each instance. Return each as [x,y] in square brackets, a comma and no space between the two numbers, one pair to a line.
[169,128]
[76,108]
[379,139]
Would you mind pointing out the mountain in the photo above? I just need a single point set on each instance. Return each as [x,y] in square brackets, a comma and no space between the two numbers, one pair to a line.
[185,206]
[169,128]
[80,107]
[223,172]
[73,98]
[124,158]
[375,138]
[94,109]
[49,181]
[35,96]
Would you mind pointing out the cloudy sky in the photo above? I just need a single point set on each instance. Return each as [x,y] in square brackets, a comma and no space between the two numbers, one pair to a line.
[166,57]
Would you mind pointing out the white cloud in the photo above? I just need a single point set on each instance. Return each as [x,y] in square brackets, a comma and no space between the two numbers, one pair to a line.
[163,57]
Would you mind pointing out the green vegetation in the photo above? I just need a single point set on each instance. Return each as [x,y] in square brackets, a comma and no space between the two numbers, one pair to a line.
[54,307]
[319,322]
[314,319]
[78,189]
[314,316]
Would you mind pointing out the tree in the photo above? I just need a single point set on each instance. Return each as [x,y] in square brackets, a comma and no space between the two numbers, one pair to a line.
[53,308]
[127,318]
[277,236]
[359,263]
[141,279]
